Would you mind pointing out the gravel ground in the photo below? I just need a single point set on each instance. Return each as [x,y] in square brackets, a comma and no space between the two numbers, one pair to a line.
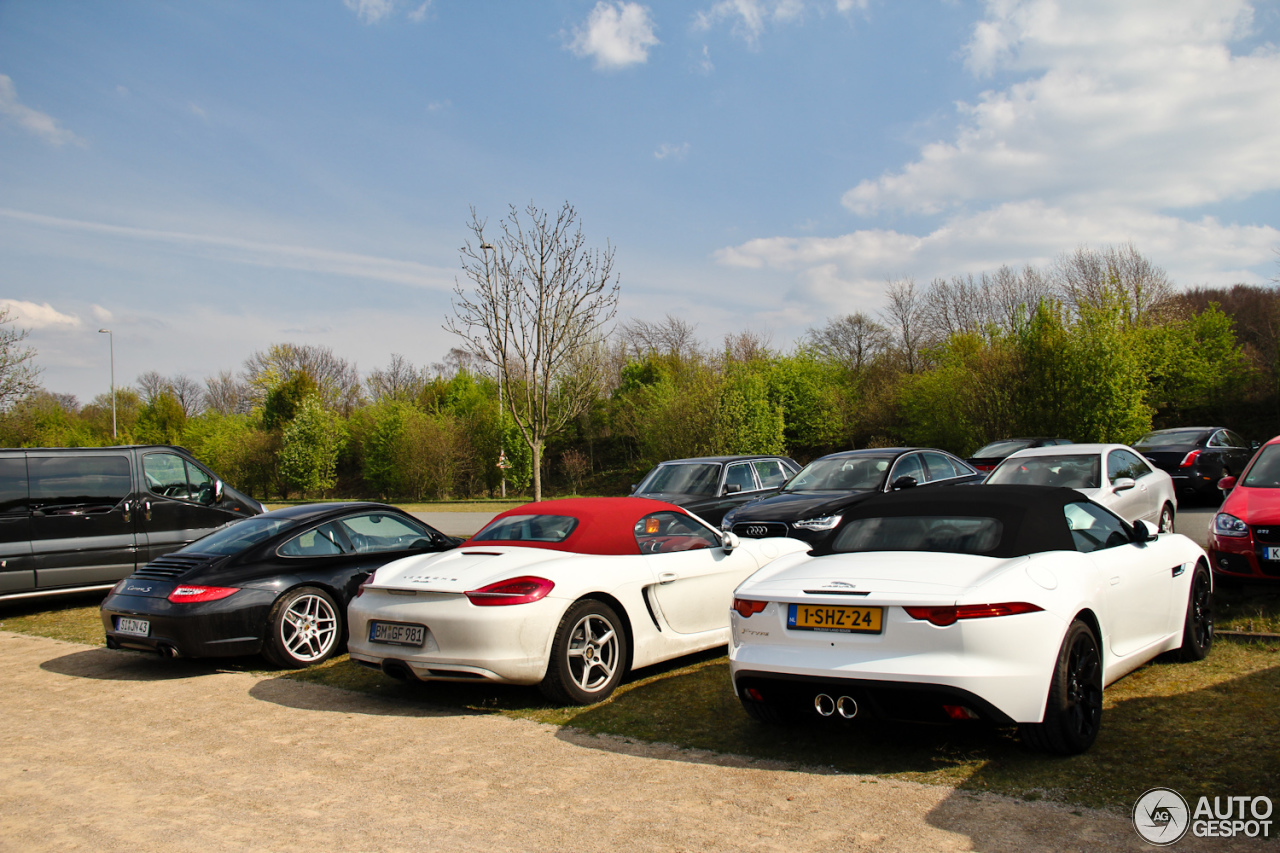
[108,751]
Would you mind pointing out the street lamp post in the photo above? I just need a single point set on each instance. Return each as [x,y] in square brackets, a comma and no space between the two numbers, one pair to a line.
[486,247]
[112,338]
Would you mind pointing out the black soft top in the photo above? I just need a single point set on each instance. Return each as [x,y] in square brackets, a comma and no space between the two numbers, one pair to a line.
[1031,517]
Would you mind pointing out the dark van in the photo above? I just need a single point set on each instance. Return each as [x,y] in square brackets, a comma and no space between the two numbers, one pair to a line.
[78,519]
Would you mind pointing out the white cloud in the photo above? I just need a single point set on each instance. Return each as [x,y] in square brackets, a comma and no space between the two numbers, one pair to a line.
[371,11]
[33,121]
[748,19]
[197,111]
[258,254]
[616,35]
[675,152]
[1120,116]
[30,315]
[419,14]
[102,315]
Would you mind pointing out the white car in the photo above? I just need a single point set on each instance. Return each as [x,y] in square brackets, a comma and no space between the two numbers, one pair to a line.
[568,595]
[1009,604]
[1114,475]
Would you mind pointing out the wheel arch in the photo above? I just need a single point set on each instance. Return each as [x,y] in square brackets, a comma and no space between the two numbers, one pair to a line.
[1088,617]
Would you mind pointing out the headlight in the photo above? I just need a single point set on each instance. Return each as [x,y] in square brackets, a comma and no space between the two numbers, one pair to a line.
[1228,525]
[817,523]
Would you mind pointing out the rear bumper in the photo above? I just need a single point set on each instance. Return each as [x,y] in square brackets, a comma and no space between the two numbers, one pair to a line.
[231,626]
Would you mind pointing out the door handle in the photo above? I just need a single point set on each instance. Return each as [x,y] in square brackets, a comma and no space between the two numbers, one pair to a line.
[1115,581]
[667,577]
[128,507]
[146,509]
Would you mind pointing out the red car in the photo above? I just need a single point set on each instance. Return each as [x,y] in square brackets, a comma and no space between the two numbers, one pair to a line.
[1244,540]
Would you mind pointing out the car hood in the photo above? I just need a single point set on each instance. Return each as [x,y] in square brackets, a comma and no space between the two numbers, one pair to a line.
[1253,506]
[464,569]
[892,575]
[795,506]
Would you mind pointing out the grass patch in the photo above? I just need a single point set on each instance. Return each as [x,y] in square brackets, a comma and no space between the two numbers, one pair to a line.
[1253,608]
[1207,728]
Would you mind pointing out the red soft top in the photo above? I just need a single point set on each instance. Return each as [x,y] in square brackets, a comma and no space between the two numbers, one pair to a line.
[605,525]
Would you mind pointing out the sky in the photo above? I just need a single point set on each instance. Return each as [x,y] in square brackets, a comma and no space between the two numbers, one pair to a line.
[207,179]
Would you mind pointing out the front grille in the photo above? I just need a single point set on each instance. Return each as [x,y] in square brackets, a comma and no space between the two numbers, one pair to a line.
[1269,534]
[759,529]
[169,567]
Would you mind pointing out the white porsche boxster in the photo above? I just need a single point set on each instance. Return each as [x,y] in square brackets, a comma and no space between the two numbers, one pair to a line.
[567,594]
[1009,604]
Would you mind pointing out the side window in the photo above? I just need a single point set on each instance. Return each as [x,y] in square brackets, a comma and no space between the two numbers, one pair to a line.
[740,475]
[324,541]
[908,466]
[1093,528]
[1122,463]
[381,532]
[79,482]
[1218,439]
[940,467]
[1235,440]
[664,532]
[13,485]
[166,475]
[771,473]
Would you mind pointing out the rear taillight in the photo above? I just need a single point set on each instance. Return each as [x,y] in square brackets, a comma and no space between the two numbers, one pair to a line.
[943,616]
[984,467]
[746,607]
[1189,459]
[368,580]
[186,594]
[515,591]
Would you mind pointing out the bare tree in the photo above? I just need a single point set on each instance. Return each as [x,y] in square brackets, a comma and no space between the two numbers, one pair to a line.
[338,379]
[537,312]
[151,385]
[905,317]
[190,394]
[748,346]
[852,341]
[400,381]
[1090,278]
[458,360]
[18,372]
[673,336]
[227,395]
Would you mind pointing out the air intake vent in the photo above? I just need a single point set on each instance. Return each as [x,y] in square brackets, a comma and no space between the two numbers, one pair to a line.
[170,567]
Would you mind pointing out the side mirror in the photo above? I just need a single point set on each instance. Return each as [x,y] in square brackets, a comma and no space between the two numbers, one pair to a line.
[1144,531]
[731,488]
[217,490]
[729,541]
[633,488]
[1123,484]
[1226,484]
[904,482]
[1254,445]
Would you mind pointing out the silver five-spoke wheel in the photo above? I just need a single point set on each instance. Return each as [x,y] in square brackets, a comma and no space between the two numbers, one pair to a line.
[305,628]
[588,655]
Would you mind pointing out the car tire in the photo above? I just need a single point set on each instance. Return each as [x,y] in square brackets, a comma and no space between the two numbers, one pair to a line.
[1166,522]
[1197,630]
[588,655]
[304,629]
[1073,714]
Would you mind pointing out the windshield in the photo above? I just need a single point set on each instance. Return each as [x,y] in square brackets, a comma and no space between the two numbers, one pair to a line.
[528,528]
[695,478]
[1264,473]
[1001,448]
[1073,472]
[239,535]
[841,474]
[1181,438]
[952,535]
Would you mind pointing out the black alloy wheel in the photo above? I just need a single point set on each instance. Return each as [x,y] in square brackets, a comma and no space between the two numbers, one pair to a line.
[1197,631]
[1073,714]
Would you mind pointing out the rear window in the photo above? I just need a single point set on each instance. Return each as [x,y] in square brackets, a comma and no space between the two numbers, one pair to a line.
[1000,448]
[239,535]
[946,534]
[1076,471]
[528,528]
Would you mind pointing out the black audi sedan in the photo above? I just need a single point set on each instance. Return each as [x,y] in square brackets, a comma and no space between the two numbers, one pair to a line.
[276,584]
[808,507]
[1197,457]
[710,486]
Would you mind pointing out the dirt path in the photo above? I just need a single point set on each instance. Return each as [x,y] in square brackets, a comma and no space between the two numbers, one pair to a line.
[113,751]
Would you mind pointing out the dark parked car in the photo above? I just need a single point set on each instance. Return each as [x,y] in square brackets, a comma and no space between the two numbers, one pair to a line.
[986,458]
[278,583]
[712,485]
[1197,457]
[809,506]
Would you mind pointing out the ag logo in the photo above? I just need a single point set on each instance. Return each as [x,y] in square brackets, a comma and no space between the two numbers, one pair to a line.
[1161,816]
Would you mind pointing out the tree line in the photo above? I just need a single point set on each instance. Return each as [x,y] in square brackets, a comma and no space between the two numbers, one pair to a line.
[1098,346]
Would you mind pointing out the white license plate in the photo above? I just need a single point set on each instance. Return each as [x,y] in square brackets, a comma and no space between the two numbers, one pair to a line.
[137,627]
[397,634]
[1271,553]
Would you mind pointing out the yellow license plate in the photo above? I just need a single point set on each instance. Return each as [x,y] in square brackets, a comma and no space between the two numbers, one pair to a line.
[831,617]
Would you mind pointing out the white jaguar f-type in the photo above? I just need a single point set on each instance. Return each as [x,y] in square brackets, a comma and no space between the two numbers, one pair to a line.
[1010,604]
[567,594]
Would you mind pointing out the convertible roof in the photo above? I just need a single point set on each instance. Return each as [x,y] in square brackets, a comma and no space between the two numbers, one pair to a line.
[605,525]
[1032,517]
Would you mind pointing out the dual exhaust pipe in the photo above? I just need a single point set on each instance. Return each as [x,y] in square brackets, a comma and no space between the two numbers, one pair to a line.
[844,706]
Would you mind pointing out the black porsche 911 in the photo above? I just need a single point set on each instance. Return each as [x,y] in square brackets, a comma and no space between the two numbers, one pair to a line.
[277,583]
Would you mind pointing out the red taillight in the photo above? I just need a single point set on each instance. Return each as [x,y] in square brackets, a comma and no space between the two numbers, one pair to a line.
[368,580]
[194,594]
[746,607]
[1189,459]
[515,591]
[943,616]
[984,467]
